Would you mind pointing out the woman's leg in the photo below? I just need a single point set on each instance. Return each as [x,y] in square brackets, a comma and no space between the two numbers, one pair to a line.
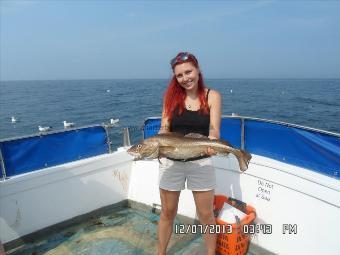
[204,201]
[169,200]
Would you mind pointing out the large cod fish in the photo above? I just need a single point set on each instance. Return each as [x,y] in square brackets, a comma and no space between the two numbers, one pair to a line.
[177,146]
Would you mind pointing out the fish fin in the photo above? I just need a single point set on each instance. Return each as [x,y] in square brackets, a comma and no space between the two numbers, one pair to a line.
[155,154]
[222,153]
[225,143]
[159,160]
[175,134]
[195,135]
[246,155]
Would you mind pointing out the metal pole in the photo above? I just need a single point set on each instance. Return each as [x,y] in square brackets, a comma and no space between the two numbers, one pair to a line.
[143,129]
[107,138]
[3,168]
[126,137]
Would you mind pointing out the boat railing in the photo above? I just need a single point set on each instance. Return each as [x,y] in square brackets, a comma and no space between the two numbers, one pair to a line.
[306,147]
[25,154]
[301,146]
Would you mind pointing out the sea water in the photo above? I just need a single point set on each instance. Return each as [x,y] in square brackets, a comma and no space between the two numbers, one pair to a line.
[311,102]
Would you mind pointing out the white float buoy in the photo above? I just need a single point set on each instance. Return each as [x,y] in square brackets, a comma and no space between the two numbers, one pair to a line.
[108,91]
[13,119]
[114,121]
[231,91]
[44,129]
[68,124]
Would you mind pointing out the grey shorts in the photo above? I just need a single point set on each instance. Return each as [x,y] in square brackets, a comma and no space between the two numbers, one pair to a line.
[199,175]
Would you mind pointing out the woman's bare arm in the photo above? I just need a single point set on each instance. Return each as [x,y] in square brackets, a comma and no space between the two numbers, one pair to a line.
[165,125]
[214,102]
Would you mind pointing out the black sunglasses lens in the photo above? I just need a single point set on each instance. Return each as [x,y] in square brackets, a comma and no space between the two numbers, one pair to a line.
[181,57]
[184,56]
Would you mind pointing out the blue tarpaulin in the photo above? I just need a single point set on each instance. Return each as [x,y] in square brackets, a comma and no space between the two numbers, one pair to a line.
[37,152]
[231,131]
[151,127]
[309,149]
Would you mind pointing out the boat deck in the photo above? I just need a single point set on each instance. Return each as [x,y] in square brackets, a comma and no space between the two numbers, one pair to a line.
[124,231]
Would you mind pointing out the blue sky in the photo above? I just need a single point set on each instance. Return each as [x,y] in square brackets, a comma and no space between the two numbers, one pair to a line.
[103,39]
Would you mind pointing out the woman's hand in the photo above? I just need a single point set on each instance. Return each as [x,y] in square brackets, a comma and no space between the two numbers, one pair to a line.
[211,152]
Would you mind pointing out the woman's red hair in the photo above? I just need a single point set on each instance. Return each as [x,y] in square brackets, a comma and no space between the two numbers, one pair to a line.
[175,94]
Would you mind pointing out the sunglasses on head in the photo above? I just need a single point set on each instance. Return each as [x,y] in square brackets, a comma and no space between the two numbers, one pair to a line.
[180,58]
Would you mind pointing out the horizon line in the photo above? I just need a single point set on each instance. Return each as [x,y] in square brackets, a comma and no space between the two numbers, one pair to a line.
[98,79]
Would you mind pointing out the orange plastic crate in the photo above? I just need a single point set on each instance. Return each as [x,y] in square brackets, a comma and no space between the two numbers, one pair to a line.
[237,242]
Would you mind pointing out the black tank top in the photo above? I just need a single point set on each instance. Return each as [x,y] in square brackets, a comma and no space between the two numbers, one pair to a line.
[190,122]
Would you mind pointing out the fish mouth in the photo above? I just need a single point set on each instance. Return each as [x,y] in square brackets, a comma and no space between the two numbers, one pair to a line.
[135,155]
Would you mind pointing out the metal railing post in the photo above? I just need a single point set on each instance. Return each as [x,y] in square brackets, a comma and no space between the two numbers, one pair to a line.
[142,129]
[126,137]
[108,141]
[3,168]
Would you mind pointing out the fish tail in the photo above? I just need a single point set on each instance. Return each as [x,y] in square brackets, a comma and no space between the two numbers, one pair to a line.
[246,155]
[243,160]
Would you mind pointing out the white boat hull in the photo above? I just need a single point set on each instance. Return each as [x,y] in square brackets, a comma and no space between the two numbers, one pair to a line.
[309,203]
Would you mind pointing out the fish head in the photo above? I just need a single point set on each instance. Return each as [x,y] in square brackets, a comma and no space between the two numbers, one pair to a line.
[144,150]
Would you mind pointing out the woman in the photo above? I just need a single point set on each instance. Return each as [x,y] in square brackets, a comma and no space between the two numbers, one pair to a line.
[189,107]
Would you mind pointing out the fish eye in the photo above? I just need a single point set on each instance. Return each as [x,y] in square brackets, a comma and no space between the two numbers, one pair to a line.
[139,146]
